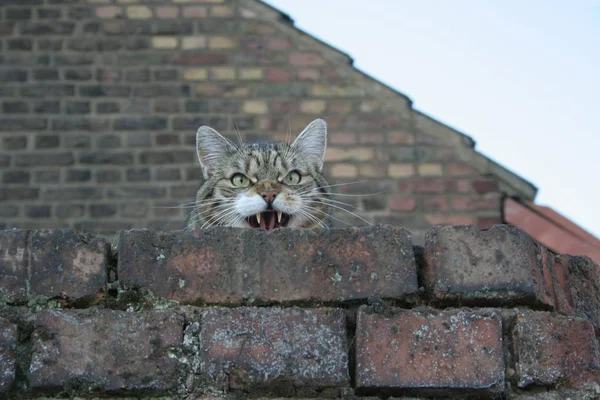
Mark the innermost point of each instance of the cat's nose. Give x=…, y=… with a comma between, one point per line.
x=269, y=196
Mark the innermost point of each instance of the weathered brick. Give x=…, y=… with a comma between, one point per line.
x=47, y=141
x=15, y=107
x=401, y=170
x=48, y=28
x=8, y=353
x=343, y=170
x=336, y=265
x=80, y=124
x=116, y=192
x=44, y=159
x=139, y=12
x=106, y=157
x=71, y=193
x=47, y=176
x=15, y=176
x=136, y=123
x=14, y=142
x=78, y=175
x=43, y=211
x=452, y=351
x=22, y=124
x=502, y=265
x=20, y=44
x=272, y=337
x=109, y=350
x=555, y=350
x=49, y=13
x=13, y=267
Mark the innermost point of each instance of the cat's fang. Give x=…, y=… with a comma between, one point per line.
x=279, y=213
x=258, y=218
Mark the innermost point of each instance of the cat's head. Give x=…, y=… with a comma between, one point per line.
x=262, y=185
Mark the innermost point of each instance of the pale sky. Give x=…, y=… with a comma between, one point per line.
x=520, y=77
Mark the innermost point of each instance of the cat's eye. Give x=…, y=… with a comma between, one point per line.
x=293, y=178
x=240, y=180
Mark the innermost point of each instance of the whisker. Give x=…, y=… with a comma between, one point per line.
x=350, y=212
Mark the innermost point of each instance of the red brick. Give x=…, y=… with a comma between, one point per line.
x=278, y=44
x=109, y=350
x=308, y=74
x=476, y=203
x=247, y=347
x=502, y=265
x=488, y=222
x=8, y=352
x=67, y=264
x=450, y=351
x=278, y=75
x=306, y=59
x=483, y=186
x=437, y=203
x=343, y=138
x=434, y=186
x=400, y=203
x=555, y=350
x=233, y=266
x=51, y=263
x=459, y=169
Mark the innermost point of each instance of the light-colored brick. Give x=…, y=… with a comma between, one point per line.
x=400, y=137
x=344, y=171
x=251, y=74
x=430, y=169
x=198, y=1
x=195, y=12
x=128, y=1
x=351, y=154
x=373, y=171
x=255, y=107
x=167, y=12
x=223, y=73
x=221, y=12
x=164, y=42
x=108, y=12
x=221, y=42
x=139, y=12
x=195, y=74
x=193, y=42
x=312, y=106
x=98, y=1
x=401, y=170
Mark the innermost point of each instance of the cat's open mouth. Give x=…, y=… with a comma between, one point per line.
x=268, y=220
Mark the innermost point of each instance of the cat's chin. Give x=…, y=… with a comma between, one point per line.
x=268, y=220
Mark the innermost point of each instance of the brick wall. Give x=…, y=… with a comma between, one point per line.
x=101, y=99
x=348, y=313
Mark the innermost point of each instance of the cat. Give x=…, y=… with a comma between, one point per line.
x=266, y=185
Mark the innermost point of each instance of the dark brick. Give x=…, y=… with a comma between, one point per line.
x=77, y=141
x=68, y=194
x=4, y=160
x=108, y=142
x=47, y=89
x=78, y=175
x=80, y=345
x=26, y=59
x=167, y=157
x=165, y=75
x=9, y=211
x=94, y=44
x=260, y=356
x=158, y=90
x=20, y=44
x=38, y=211
x=46, y=74
x=22, y=124
x=8, y=354
x=102, y=226
x=502, y=265
x=15, y=107
x=102, y=157
x=70, y=210
x=47, y=176
x=108, y=107
x=78, y=74
x=137, y=123
x=13, y=266
x=196, y=106
x=15, y=176
x=138, y=174
x=117, y=192
x=167, y=106
x=102, y=210
x=579, y=289
x=336, y=265
x=74, y=59
x=14, y=143
x=80, y=12
x=167, y=174
x=17, y=13
x=50, y=44
x=47, y=107
x=138, y=75
x=167, y=139
x=13, y=75
x=47, y=141
x=77, y=107
x=48, y=28
x=136, y=43
x=457, y=352
x=133, y=209
x=49, y=13
x=553, y=350
x=80, y=124
x=6, y=28
x=108, y=175
x=104, y=90
x=44, y=159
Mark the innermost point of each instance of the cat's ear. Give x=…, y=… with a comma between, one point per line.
x=211, y=146
x=312, y=141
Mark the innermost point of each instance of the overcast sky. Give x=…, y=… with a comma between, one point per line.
x=521, y=77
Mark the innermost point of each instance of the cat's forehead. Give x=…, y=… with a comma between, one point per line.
x=262, y=159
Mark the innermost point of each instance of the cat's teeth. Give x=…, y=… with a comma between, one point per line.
x=258, y=218
x=279, y=216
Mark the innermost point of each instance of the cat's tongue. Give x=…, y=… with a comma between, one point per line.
x=263, y=221
x=272, y=220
